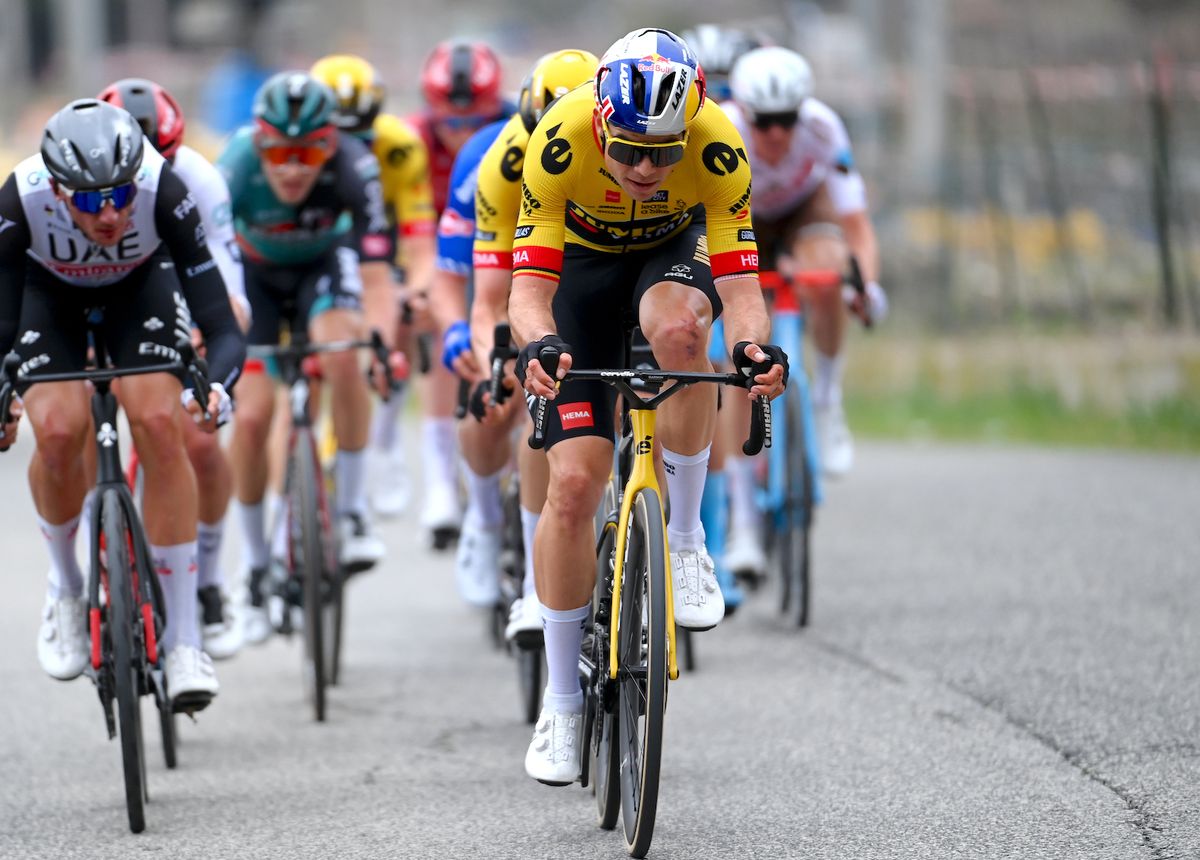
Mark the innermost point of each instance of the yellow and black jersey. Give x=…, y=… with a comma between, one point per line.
x=498, y=196
x=567, y=195
x=404, y=173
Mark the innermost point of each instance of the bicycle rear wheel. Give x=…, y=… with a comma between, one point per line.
x=797, y=516
x=642, y=672
x=310, y=531
x=126, y=655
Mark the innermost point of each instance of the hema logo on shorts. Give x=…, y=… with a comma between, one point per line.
x=576, y=415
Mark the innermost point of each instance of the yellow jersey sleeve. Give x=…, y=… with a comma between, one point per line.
x=568, y=195
x=498, y=196
x=404, y=172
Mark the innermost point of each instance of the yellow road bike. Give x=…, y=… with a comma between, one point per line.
x=629, y=647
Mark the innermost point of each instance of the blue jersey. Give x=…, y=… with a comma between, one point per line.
x=456, y=227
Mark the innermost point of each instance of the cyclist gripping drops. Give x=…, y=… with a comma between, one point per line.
x=636, y=196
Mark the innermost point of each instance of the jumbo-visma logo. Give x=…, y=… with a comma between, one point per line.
x=575, y=415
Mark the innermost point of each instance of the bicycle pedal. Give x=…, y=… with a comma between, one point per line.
x=191, y=703
x=444, y=537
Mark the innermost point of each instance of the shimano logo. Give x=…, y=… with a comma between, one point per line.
x=30, y=336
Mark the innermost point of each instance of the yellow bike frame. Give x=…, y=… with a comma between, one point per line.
x=642, y=477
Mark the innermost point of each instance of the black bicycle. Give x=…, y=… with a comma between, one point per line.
x=315, y=576
x=126, y=610
x=629, y=648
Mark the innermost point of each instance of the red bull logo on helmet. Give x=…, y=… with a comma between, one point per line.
x=654, y=63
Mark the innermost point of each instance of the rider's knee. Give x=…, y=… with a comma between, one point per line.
x=340, y=368
x=575, y=490
x=60, y=437
x=679, y=338
x=204, y=450
x=820, y=246
x=156, y=428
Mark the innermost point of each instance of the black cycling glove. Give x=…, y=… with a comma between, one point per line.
x=751, y=369
x=534, y=349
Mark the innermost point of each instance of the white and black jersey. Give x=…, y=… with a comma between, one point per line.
x=216, y=214
x=42, y=248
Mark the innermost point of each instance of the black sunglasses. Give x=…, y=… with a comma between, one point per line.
x=785, y=120
x=631, y=154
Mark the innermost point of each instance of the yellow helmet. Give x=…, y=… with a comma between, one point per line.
x=360, y=92
x=553, y=75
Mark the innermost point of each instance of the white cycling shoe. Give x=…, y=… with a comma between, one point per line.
x=360, y=549
x=555, y=755
x=442, y=513
x=392, y=491
x=477, y=565
x=63, y=648
x=525, y=622
x=221, y=633
x=744, y=556
x=699, y=604
x=834, y=441
x=191, y=679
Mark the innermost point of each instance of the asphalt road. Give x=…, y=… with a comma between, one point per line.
x=1004, y=662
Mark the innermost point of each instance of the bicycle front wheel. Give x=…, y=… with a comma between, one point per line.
x=794, y=556
x=311, y=535
x=125, y=655
x=642, y=670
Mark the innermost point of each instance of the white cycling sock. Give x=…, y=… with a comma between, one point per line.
x=385, y=426
x=279, y=529
x=827, y=382
x=564, y=636
x=85, y=517
x=743, y=507
x=208, y=553
x=66, y=578
x=485, y=508
x=441, y=453
x=350, y=471
x=685, y=484
x=254, y=534
x=529, y=521
x=176, y=568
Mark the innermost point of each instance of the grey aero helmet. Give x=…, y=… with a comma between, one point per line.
x=91, y=144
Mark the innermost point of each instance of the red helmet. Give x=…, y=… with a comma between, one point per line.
x=462, y=76
x=154, y=109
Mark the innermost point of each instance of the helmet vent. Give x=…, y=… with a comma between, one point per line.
x=664, y=93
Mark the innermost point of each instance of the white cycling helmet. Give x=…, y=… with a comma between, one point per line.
x=771, y=80
x=717, y=47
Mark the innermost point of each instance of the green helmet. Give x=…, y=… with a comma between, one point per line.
x=295, y=104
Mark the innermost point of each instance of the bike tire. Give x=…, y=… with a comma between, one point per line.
x=794, y=556
x=335, y=610
x=642, y=672
x=305, y=531
x=604, y=764
x=531, y=674
x=125, y=657
x=152, y=591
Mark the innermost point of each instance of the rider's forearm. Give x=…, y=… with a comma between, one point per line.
x=745, y=312
x=419, y=253
x=860, y=237
x=489, y=307
x=529, y=308
x=447, y=298
x=379, y=299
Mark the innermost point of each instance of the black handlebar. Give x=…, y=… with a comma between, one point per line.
x=548, y=358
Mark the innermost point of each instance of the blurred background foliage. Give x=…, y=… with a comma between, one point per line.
x=1032, y=168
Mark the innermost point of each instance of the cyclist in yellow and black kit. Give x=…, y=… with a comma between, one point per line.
x=408, y=199
x=636, y=196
